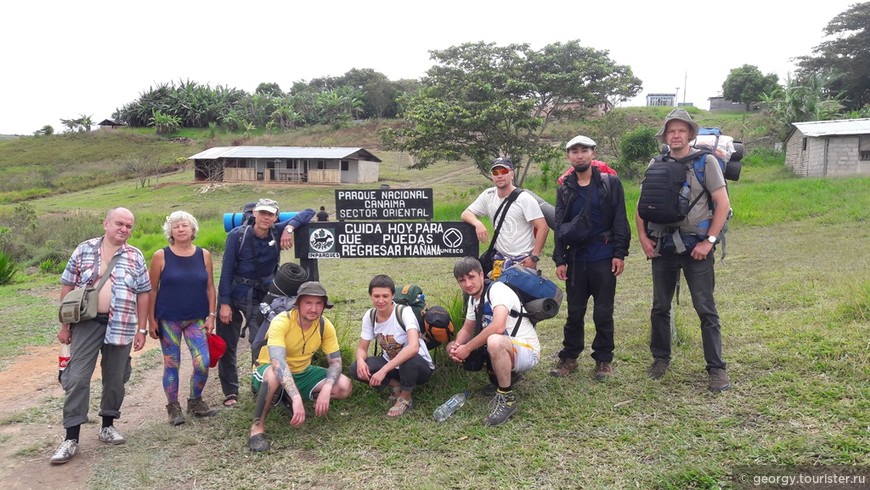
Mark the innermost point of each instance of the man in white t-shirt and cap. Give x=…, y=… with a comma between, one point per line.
x=524, y=232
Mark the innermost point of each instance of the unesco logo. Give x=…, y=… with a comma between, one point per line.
x=322, y=240
x=452, y=238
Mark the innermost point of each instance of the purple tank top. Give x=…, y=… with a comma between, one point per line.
x=183, y=287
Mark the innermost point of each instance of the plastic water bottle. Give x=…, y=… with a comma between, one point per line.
x=62, y=360
x=449, y=407
x=684, y=199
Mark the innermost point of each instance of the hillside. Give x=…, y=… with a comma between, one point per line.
x=50, y=165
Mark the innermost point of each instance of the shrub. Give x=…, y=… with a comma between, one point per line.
x=8, y=268
x=637, y=146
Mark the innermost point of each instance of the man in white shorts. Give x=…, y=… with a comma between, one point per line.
x=492, y=335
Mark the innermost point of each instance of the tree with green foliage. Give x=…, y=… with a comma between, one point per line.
x=481, y=101
x=46, y=130
x=800, y=100
x=747, y=85
x=165, y=123
x=844, y=59
x=272, y=89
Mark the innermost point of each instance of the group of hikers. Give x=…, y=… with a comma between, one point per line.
x=175, y=298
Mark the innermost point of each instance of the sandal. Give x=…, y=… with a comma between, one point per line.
x=402, y=405
x=231, y=400
x=394, y=396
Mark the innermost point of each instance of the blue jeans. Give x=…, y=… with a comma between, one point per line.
x=587, y=279
x=701, y=280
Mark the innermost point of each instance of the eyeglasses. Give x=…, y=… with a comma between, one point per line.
x=499, y=171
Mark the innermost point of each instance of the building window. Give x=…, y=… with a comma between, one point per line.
x=864, y=148
x=291, y=164
x=320, y=165
x=345, y=166
x=804, y=145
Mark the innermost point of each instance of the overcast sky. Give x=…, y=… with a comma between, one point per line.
x=65, y=59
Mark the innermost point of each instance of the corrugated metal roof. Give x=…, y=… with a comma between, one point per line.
x=284, y=152
x=834, y=128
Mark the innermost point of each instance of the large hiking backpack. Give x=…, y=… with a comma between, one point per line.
x=437, y=325
x=412, y=295
x=541, y=297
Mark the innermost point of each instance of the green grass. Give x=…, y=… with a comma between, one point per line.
x=793, y=297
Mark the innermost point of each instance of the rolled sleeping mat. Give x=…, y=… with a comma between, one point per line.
x=234, y=220
x=288, y=279
x=542, y=309
x=548, y=209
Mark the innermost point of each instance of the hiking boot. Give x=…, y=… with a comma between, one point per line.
x=503, y=406
x=603, y=370
x=199, y=408
x=258, y=443
x=490, y=388
x=658, y=368
x=719, y=380
x=65, y=452
x=110, y=435
x=176, y=417
x=565, y=367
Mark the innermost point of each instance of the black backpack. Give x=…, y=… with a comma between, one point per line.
x=664, y=193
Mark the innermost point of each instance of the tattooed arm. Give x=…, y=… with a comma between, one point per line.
x=277, y=355
x=333, y=372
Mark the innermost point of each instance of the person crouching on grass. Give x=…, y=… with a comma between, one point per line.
x=405, y=362
x=284, y=370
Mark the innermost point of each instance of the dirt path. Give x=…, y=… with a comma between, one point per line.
x=30, y=391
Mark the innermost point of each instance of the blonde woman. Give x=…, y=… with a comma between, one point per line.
x=183, y=305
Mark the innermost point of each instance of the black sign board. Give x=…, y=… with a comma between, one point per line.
x=333, y=240
x=381, y=204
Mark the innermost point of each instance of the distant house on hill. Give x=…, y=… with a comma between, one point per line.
x=661, y=100
x=315, y=165
x=829, y=148
x=109, y=124
x=720, y=104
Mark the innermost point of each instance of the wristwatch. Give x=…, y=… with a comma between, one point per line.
x=143, y=331
x=534, y=258
x=712, y=239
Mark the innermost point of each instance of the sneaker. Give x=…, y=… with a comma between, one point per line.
x=658, y=368
x=565, y=367
x=503, y=406
x=490, y=388
x=199, y=408
x=65, y=452
x=110, y=435
x=176, y=417
x=719, y=380
x=258, y=443
x=603, y=370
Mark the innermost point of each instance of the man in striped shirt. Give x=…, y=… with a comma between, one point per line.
x=122, y=310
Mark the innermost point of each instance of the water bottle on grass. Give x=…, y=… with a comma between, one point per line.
x=449, y=407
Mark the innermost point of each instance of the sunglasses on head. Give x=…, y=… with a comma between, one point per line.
x=499, y=171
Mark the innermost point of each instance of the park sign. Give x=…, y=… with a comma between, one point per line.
x=378, y=239
x=383, y=204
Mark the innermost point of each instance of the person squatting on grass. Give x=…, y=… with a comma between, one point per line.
x=405, y=362
x=122, y=311
x=524, y=233
x=283, y=371
x=183, y=305
x=591, y=242
x=696, y=261
x=491, y=336
x=249, y=264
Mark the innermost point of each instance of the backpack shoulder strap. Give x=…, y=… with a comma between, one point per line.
x=243, y=234
x=399, y=310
